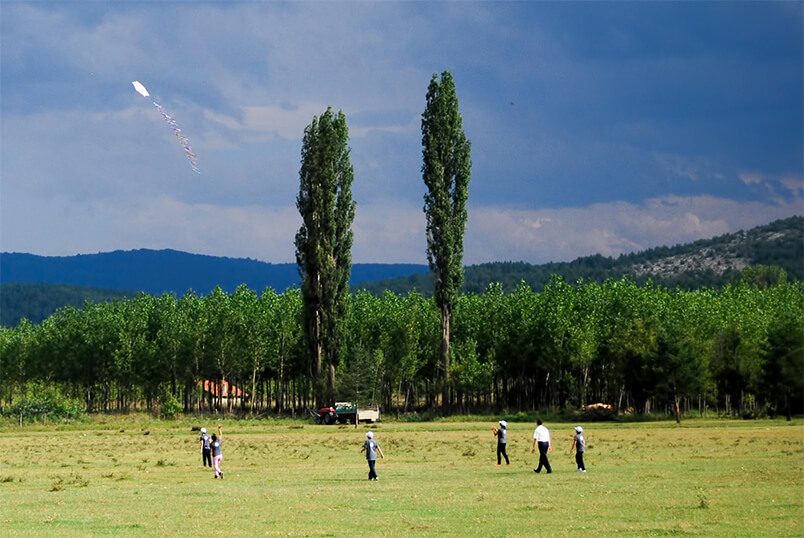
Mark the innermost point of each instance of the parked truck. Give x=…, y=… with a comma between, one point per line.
x=348, y=413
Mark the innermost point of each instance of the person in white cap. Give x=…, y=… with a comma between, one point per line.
x=372, y=448
x=206, y=455
x=500, y=434
x=579, y=445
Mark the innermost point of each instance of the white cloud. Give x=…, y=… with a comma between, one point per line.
x=243, y=231
x=389, y=231
x=751, y=178
x=287, y=122
x=681, y=166
x=777, y=184
x=793, y=183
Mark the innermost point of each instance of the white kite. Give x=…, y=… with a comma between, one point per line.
x=176, y=130
x=140, y=88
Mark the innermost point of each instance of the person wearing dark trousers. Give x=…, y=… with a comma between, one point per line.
x=206, y=454
x=372, y=448
x=542, y=437
x=500, y=434
x=579, y=444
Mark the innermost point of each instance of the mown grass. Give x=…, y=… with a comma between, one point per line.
x=284, y=478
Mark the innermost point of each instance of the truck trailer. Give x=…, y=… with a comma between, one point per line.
x=348, y=413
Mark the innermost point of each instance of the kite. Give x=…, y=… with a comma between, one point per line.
x=176, y=129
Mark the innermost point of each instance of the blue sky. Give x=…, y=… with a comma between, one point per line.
x=596, y=127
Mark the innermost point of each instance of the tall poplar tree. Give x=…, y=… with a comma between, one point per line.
x=446, y=172
x=324, y=244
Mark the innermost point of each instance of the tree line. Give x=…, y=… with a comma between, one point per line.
x=734, y=351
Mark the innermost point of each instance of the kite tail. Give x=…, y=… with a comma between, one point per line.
x=185, y=143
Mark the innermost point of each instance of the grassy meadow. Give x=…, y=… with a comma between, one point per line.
x=129, y=476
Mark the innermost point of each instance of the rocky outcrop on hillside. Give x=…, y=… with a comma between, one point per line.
x=705, y=260
x=731, y=252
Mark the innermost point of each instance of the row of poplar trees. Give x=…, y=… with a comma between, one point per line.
x=324, y=241
x=738, y=350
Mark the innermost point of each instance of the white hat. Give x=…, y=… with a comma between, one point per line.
x=203, y=430
x=370, y=435
x=504, y=424
x=578, y=429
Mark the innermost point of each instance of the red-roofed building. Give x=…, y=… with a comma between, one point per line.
x=224, y=390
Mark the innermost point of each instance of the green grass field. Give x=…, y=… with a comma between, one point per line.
x=134, y=477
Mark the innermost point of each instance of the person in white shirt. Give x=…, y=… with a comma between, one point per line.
x=542, y=437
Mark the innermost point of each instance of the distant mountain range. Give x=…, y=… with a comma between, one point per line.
x=35, y=286
x=159, y=271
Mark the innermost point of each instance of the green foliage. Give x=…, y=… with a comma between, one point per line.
x=324, y=243
x=641, y=348
x=446, y=171
x=762, y=276
x=358, y=376
x=44, y=403
x=36, y=301
x=469, y=374
x=170, y=406
x=783, y=362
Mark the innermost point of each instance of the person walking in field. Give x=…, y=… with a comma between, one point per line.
x=217, y=451
x=542, y=437
x=579, y=444
x=500, y=434
x=372, y=448
x=206, y=456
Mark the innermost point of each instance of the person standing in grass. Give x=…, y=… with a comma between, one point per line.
x=500, y=434
x=217, y=451
x=542, y=437
x=372, y=448
x=205, y=451
x=579, y=444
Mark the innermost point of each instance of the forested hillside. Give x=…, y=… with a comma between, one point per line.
x=33, y=287
x=705, y=263
x=35, y=302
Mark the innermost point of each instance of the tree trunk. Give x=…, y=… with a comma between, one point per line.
x=317, y=349
x=446, y=319
x=331, y=383
x=585, y=384
x=253, y=389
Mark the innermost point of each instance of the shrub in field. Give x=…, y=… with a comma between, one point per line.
x=171, y=406
x=46, y=405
